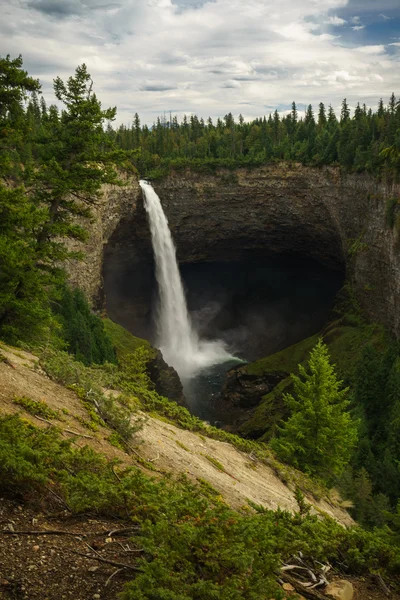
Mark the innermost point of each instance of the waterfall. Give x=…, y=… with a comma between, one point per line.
x=179, y=342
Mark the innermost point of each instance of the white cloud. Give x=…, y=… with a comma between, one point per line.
x=208, y=57
x=385, y=17
x=231, y=83
x=358, y=27
x=378, y=49
x=336, y=21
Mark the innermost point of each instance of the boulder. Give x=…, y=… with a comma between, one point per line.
x=340, y=590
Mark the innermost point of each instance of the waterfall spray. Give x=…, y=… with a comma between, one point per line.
x=177, y=339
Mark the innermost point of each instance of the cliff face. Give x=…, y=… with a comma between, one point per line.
x=340, y=221
x=107, y=215
x=276, y=209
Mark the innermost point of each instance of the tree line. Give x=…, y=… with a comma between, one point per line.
x=366, y=141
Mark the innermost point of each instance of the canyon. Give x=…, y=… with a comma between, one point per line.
x=318, y=225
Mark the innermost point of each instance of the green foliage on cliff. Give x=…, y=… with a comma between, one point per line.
x=123, y=341
x=319, y=435
x=367, y=141
x=83, y=332
x=53, y=165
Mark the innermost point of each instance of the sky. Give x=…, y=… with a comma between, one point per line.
x=211, y=57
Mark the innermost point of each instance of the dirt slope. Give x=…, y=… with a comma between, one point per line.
x=234, y=474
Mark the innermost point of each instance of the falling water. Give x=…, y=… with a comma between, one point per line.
x=177, y=339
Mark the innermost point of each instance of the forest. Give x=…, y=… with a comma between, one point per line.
x=368, y=140
x=54, y=161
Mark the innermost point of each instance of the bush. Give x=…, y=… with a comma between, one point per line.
x=83, y=331
x=35, y=407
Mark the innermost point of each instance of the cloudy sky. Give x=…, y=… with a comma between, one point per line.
x=210, y=57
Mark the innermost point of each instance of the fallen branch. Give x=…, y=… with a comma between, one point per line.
x=154, y=459
x=383, y=585
x=48, y=532
x=300, y=589
x=122, y=531
x=89, y=437
x=112, y=575
x=44, y=420
x=133, y=450
x=105, y=560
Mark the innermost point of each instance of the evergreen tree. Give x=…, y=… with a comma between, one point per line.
x=320, y=434
x=345, y=112
x=322, y=116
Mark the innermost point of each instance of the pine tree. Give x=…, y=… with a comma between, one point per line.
x=345, y=112
x=322, y=116
x=320, y=434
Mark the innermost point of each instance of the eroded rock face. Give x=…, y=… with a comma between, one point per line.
x=275, y=209
x=166, y=380
x=116, y=204
x=244, y=390
x=339, y=221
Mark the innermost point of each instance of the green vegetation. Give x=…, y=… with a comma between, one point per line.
x=131, y=380
x=319, y=435
x=52, y=168
x=124, y=342
x=367, y=360
x=53, y=165
x=215, y=463
x=182, y=446
x=367, y=141
x=83, y=332
x=36, y=407
x=195, y=545
x=89, y=383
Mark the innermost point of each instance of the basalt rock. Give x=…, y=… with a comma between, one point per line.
x=244, y=390
x=166, y=379
x=336, y=219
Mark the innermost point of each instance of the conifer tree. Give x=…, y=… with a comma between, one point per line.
x=320, y=434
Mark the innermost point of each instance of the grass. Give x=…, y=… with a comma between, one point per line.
x=285, y=361
x=123, y=341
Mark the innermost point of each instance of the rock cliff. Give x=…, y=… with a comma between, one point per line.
x=276, y=209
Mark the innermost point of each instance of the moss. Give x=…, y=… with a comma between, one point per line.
x=285, y=361
x=267, y=414
x=90, y=425
x=207, y=489
x=124, y=342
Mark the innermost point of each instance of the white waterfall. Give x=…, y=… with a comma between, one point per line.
x=180, y=344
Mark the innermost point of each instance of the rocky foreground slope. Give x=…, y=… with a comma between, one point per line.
x=238, y=477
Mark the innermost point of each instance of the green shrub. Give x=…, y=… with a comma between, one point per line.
x=89, y=383
x=82, y=330
x=36, y=407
